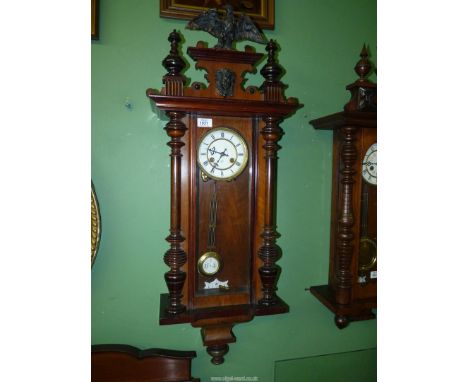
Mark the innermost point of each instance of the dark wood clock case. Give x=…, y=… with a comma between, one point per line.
x=246, y=214
x=354, y=131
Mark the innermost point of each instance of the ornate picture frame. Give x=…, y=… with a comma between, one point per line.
x=94, y=19
x=95, y=225
x=262, y=12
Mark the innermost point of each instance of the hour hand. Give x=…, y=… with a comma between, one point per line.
x=223, y=154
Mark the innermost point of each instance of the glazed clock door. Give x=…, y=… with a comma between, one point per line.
x=225, y=202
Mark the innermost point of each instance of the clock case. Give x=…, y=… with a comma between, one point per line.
x=354, y=131
x=246, y=232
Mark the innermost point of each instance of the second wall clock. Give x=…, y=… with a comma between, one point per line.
x=351, y=292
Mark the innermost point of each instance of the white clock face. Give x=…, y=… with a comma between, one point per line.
x=369, y=165
x=222, y=153
x=209, y=264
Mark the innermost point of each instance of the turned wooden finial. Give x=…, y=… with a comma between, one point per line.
x=271, y=71
x=363, y=66
x=363, y=91
x=173, y=62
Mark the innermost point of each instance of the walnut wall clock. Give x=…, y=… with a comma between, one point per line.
x=351, y=292
x=224, y=142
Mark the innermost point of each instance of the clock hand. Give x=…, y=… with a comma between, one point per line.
x=213, y=151
x=221, y=155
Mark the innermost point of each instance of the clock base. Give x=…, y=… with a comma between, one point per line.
x=194, y=315
x=217, y=323
x=344, y=314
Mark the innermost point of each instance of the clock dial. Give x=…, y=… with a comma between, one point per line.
x=222, y=154
x=209, y=264
x=369, y=165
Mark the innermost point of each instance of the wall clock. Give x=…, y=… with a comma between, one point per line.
x=224, y=142
x=351, y=292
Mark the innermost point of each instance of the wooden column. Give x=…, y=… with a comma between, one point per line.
x=270, y=252
x=344, y=246
x=175, y=257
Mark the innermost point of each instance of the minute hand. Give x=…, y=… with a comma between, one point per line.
x=223, y=154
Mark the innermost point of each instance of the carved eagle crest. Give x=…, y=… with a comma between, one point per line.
x=228, y=29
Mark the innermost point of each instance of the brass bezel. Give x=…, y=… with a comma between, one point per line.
x=204, y=257
x=244, y=144
x=367, y=267
x=364, y=168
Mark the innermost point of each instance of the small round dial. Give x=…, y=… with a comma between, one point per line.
x=369, y=165
x=209, y=264
x=222, y=153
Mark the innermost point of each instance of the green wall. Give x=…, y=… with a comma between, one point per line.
x=360, y=365
x=320, y=44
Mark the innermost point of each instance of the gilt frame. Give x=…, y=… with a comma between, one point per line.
x=262, y=12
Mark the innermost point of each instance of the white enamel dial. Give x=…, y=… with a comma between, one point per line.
x=210, y=266
x=222, y=153
x=369, y=165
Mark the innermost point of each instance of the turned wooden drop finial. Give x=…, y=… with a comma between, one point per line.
x=363, y=66
x=173, y=62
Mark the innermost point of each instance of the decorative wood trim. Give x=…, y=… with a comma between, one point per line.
x=338, y=120
x=122, y=363
x=201, y=53
x=222, y=106
x=142, y=353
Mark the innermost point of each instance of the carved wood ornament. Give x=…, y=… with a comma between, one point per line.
x=238, y=219
x=351, y=292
